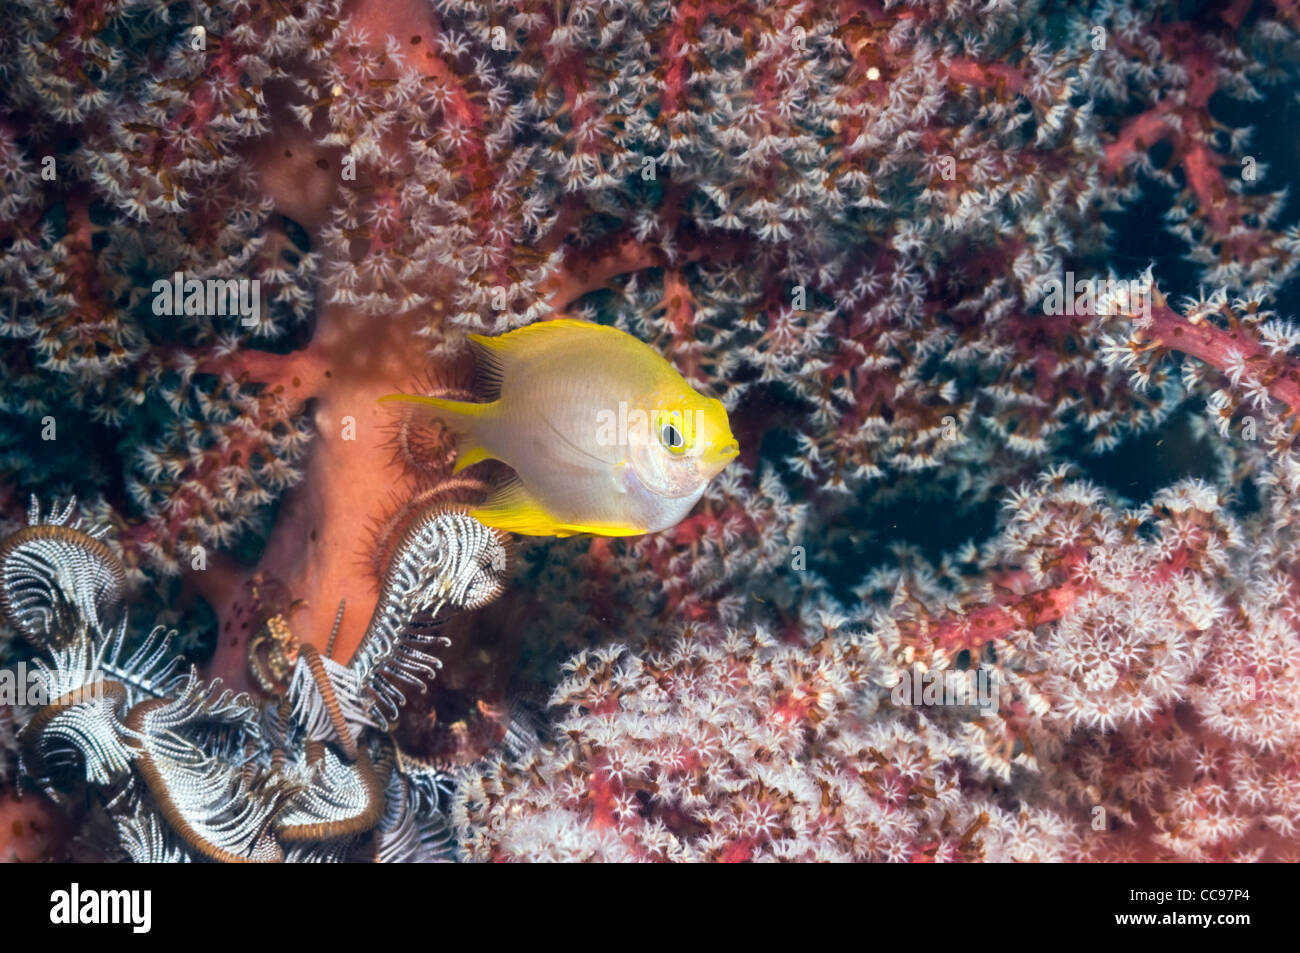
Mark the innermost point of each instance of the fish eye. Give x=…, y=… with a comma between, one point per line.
x=672, y=438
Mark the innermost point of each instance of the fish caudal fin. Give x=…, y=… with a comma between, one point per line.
x=514, y=510
x=464, y=418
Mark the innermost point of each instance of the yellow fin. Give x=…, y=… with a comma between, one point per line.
x=514, y=510
x=448, y=410
x=493, y=356
x=468, y=454
x=519, y=336
x=460, y=416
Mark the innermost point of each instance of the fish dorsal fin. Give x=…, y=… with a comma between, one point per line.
x=514, y=509
x=489, y=368
x=494, y=355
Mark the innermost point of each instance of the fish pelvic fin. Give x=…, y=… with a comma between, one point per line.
x=513, y=509
x=464, y=418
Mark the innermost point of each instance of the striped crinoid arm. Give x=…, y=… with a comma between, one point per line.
x=147, y=839
x=88, y=688
x=325, y=700
x=414, y=829
x=216, y=721
x=445, y=558
x=450, y=492
x=151, y=670
x=337, y=800
x=209, y=803
x=58, y=578
x=390, y=812
x=79, y=732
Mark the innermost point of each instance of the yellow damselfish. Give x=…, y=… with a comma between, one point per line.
x=604, y=436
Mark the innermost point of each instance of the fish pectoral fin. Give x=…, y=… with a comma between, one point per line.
x=513, y=509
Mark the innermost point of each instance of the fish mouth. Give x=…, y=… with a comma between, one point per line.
x=719, y=457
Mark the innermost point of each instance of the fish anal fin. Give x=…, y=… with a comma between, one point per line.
x=514, y=510
x=468, y=454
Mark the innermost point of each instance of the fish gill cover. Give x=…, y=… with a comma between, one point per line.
x=998, y=297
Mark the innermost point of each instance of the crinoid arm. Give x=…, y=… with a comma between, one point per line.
x=185, y=769
x=445, y=560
